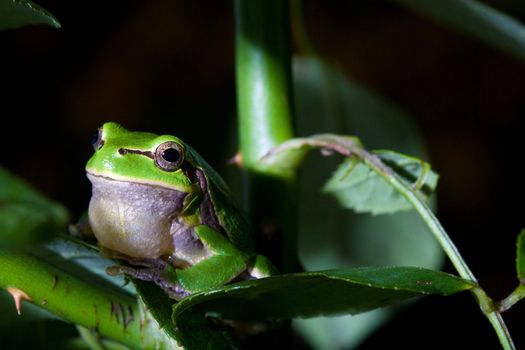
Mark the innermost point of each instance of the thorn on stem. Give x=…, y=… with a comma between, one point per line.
x=236, y=160
x=19, y=296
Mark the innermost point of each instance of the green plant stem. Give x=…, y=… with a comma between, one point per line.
x=486, y=304
x=517, y=295
x=264, y=94
x=110, y=313
x=263, y=76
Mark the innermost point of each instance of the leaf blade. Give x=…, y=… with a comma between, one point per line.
x=19, y=13
x=356, y=186
x=311, y=294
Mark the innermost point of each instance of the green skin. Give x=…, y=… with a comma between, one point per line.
x=158, y=205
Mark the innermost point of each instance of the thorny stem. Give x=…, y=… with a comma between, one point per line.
x=107, y=311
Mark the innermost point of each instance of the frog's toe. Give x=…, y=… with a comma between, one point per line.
x=144, y=274
x=156, y=264
x=156, y=274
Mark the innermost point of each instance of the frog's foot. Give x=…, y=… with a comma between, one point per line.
x=152, y=270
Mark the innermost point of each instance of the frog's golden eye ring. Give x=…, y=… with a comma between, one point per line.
x=96, y=140
x=169, y=156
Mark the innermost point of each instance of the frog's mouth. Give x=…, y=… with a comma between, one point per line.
x=92, y=175
x=133, y=218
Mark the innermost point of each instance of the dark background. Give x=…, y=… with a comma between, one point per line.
x=148, y=64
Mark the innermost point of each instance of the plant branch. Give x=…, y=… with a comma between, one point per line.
x=110, y=313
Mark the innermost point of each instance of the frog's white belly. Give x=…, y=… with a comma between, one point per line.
x=134, y=219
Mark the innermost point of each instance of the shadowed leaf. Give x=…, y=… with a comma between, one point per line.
x=19, y=13
x=25, y=214
x=309, y=294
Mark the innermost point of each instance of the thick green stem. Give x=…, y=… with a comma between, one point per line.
x=486, y=304
x=264, y=93
x=263, y=76
x=111, y=313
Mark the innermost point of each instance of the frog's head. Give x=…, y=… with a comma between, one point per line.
x=139, y=157
x=139, y=185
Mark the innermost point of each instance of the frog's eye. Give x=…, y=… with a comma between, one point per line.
x=96, y=140
x=169, y=156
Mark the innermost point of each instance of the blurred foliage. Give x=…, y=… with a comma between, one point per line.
x=26, y=215
x=19, y=13
x=476, y=19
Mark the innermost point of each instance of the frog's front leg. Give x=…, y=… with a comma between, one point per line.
x=223, y=264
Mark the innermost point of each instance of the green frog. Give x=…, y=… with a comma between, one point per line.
x=158, y=205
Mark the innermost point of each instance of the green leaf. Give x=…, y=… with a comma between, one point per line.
x=476, y=20
x=309, y=294
x=19, y=13
x=359, y=182
x=358, y=187
x=520, y=257
x=25, y=214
